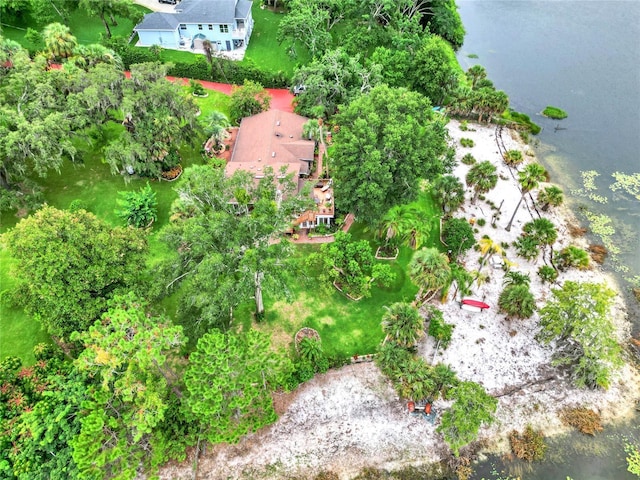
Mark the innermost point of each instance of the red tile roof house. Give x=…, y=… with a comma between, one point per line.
x=274, y=139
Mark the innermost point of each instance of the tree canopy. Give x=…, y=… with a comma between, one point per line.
x=157, y=120
x=70, y=264
x=577, y=319
x=389, y=139
x=229, y=383
x=222, y=238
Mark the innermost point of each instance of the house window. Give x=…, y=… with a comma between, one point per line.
x=210, y=27
x=224, y=28
x=183, y=26
x=199, y=26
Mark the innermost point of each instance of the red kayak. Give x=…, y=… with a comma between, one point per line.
x=474, y=303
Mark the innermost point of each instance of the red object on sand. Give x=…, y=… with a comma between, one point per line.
x=412, y=406
x=427, y=409
x=474, y=303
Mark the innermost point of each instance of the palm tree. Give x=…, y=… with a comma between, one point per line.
x=517, y=301
x=482, y=177
x=58, y=41
x=216, y=127
x=430, y=270
x=513, y=158
x=86, y=56
x=488, y=248
x=402, y=324
x=475, y=73
x=529, y=179
x=551, y=196
x=513, y=278
x=542, y=230
x=404, y=224
x=391, y=226
x=463, y=280
x=527, y=247
x=444, y=377
x=449, y=192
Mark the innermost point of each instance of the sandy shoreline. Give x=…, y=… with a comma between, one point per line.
x=351, y=418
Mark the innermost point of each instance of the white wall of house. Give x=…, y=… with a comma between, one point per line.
x=164, y=38
x=223, y=36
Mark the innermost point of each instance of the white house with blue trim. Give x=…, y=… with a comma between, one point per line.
x=227, y=24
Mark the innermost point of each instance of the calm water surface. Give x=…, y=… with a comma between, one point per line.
x=584, y=57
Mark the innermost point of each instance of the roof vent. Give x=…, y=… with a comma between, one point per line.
x=278, y=134
x=278, y=123
x=290, y=136
x=273, y=154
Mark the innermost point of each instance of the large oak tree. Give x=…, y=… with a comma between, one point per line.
x=68, y=265
x=388, y=140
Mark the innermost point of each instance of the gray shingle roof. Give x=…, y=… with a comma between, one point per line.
x=158, y=21
x=197, y=11
x=243, y=7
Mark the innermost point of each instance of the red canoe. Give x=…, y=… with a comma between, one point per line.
x=474, y=303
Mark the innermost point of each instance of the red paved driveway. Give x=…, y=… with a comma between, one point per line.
x=280, y=98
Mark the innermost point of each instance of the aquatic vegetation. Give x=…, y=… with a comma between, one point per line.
x=633, y=458
x=528, y=445
x=589, y=187
x=585, y=420
x=600, y=223
x=554, y=112
x=628, y=183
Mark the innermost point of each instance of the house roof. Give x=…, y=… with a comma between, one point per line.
x=158, y=21
x=213, y=11
x=272, y=138
x=197, y=11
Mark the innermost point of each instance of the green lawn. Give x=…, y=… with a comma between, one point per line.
x=18, y=332
x=87, y=29
x=346, y=327
x=264, y=49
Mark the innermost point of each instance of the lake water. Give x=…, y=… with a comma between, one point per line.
x=584, y=57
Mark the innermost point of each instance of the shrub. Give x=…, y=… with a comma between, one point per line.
x=464, y=125
x=513, y=157
x=523, y=120
x=481, y=222
x=138, y=208
x=439, y=329
x=528, y=445
x=585, y=420
x=547, y=274
x=467, y=142
x=77, y=204
x=311, y=351
x=554, y=112
x=575, y=257
x=468, y=159
x=196, y=87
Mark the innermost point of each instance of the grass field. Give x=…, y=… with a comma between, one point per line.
x=345, y=327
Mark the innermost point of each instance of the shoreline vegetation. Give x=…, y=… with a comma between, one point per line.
x=350, y=419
